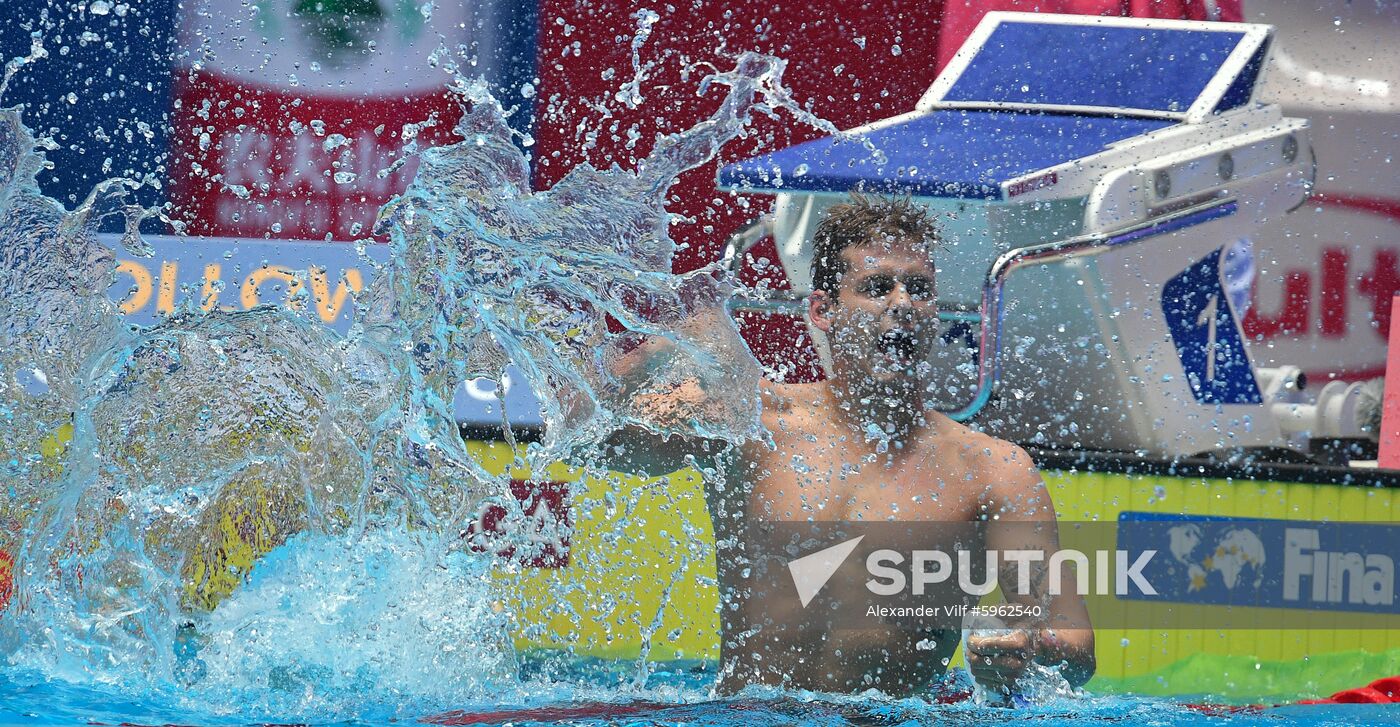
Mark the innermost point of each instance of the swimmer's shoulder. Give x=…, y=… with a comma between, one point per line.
x=792, y=405
x=1010, y=481
x=1005, y=469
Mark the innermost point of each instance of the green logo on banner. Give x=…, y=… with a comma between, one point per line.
x=340, y=31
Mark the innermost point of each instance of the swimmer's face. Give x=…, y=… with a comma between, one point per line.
x=884, y=318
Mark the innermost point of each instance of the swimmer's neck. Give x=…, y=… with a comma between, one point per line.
x=895, y=410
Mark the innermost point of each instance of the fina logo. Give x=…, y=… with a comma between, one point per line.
x=1334, y=577
x=1238, y=552
x=1323, y=566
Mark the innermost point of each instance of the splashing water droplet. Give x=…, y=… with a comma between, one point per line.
x=350, y=440
x=333, y=142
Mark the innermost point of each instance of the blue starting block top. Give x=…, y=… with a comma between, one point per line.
x=1110, y=68
x=1027, y=92
x=947, y=153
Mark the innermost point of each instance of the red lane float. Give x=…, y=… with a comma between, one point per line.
x=1380, y=691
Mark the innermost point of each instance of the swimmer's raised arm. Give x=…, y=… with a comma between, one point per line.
x=1024, y=518
x=663, y=441
x=637, y=449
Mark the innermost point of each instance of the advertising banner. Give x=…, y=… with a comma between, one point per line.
x=239, y=273
x=291, y=116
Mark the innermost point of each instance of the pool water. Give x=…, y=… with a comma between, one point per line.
x=673, y=698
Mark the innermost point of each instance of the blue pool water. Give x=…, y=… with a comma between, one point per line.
x=671, y=698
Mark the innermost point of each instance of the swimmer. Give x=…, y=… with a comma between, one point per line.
x=863, y=446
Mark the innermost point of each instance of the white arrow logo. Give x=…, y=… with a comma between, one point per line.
x=811, y=572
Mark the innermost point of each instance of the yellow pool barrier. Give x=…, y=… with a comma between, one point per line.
x=640, y=578
x=647, y=584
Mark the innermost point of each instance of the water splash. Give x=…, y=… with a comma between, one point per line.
x=218, y=431
x=547, y=270
x=54, y=321
x=37, y=52
x=381, y=601
x=631, y=92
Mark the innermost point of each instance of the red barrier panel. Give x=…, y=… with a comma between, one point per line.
x=1390, y=410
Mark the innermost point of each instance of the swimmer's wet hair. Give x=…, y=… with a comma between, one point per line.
x=864, y=220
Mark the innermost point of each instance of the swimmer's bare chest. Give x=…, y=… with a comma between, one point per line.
x=817, y=470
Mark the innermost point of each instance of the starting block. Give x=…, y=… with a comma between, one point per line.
x=1097, y=180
